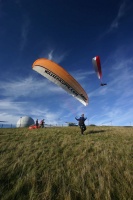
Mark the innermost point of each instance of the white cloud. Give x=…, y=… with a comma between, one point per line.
x=37, y=97
x=31, y=88
x=121, y=12
x=50, y=55
x=10, y=111
x=55, y=55
x=25, y=25
x=81, y=75
x=28, y=86
x=9, y=118
x=113, y=103
x=24, y=32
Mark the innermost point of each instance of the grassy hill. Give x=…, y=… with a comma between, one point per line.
x=60, y=163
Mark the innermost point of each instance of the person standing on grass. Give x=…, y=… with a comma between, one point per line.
x=42, y=123
x=37, y=123
x=81, y=121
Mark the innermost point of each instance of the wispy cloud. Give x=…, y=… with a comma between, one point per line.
x=116, y=99
x=121, y=12
x=80, y=75
x=50, y=55
x=25, y=25
x=24, y=32
x=11, y=111
x=28, y=86
x=18, y=98
x=54, y=54
x=37, y=97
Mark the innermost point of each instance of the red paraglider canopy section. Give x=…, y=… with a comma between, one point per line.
x=97, y=66
x=33, y=127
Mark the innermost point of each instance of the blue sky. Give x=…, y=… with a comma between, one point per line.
x=70, y=33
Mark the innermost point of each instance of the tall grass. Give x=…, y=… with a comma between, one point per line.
x=60, y=163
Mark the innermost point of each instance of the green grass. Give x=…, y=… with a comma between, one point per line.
x=60, y=163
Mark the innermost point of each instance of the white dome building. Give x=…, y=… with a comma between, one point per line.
x=25, y=122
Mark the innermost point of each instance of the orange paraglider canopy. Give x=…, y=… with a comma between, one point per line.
x=61, y=77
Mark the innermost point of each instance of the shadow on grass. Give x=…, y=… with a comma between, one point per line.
x=93, y=132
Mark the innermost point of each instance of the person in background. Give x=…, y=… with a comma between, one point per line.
x=37, y=123
x=42, y=123
x=81, y=121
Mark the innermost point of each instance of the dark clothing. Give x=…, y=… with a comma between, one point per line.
x=102, y=84
x=42, y=123
x=81, y=121
x=37, y=123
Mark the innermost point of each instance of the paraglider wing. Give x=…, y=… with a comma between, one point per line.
x=61, y=77
x=97, y=66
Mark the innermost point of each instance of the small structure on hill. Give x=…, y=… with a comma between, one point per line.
x=25, y=122
x=71, y=124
